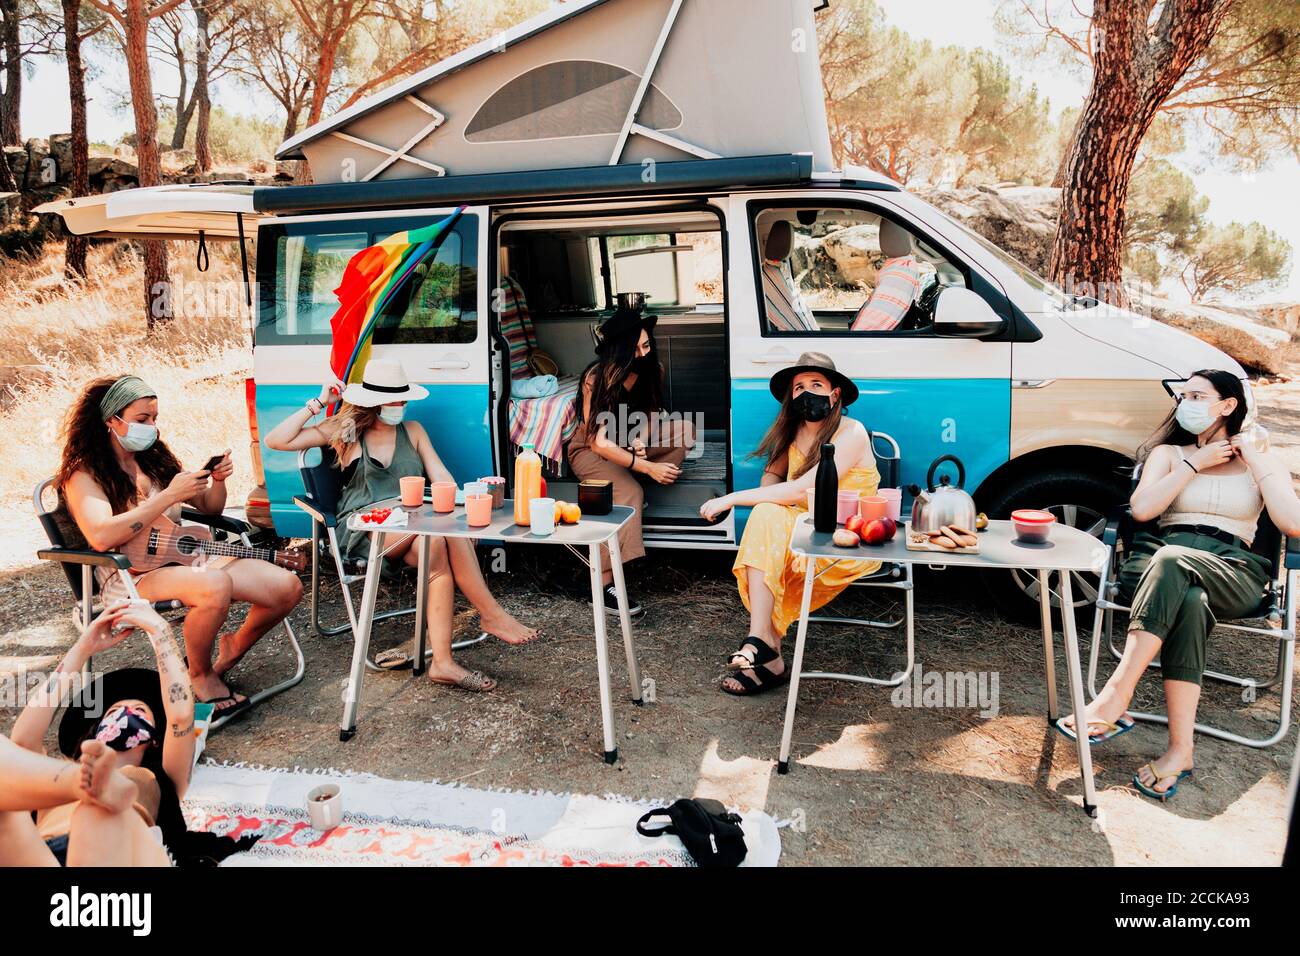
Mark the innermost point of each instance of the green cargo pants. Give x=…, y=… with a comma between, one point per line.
x=1178, y=582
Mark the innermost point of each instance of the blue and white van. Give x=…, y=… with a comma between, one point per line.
x=1044, y=398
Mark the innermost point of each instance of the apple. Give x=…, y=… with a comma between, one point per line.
x=878, y=530
x=855, y=524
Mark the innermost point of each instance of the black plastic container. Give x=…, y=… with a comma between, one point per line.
x=826, y=492
x=596, y=496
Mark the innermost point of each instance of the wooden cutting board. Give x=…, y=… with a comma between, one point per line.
x=920, y=541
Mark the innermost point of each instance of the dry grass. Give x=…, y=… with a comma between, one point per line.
x=55, y=336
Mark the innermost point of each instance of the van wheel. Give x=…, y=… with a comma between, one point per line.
x=1077, y=498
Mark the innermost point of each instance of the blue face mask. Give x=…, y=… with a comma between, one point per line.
x=138, y=437
x=392, y=414
x=1194, y=416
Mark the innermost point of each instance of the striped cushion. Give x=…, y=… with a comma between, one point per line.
x=897, y=287
x=516, y=325
x=785, y=309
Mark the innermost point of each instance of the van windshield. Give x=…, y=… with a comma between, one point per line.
x=1057, y=296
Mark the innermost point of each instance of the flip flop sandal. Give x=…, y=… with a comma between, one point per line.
x=765, y=681
x=1153, y=793
x=219, y=713
x=763, y=654
x=393, y=659
x=1121, y=726
x=475, y=681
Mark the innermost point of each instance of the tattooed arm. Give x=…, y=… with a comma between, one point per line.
x=177, y=696
x=32, y=724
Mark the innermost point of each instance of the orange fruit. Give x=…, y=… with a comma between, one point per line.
x=559, y=512
x=571, y=513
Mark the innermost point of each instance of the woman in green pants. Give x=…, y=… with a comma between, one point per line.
x=1204, y=484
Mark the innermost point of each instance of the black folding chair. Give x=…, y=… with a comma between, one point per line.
x=1274, y=618
x=322, y=482
x=78, y=563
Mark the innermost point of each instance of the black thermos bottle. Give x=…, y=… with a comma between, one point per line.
x=826, y=492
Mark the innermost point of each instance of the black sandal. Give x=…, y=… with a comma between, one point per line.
x=763, y=654
x=766, y=680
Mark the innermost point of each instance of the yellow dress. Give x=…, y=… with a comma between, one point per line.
x=766, y=545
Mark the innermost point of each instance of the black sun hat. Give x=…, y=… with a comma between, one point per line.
x=88, y=706
x=623, y=322
x=814, y=362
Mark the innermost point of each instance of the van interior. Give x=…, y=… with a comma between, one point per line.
x=565, y=277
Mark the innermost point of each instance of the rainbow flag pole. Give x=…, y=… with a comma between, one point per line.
x=373, y=277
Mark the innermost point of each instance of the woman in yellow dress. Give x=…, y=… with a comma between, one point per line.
x=813, y=397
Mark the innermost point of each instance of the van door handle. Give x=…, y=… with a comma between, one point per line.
x=773, y=358
x=440, y=366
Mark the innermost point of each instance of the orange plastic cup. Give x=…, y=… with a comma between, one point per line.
x=412, y=491
x=444, y=496
x=478, y=510
x=874, y=506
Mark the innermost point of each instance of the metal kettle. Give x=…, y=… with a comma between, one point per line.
x=937, y=505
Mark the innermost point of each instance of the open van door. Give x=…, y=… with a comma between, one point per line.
x=212, y=210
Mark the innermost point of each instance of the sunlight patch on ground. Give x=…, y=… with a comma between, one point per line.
x=857, y=749
x=742, y=782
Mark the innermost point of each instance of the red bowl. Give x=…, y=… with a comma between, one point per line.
x=1033, y=525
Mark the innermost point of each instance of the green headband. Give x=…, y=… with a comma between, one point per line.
x=122, y=393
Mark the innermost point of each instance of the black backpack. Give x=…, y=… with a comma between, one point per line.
x=710, y=834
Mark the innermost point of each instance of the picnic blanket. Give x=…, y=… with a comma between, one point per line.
x=416, y=823
x=546, y=422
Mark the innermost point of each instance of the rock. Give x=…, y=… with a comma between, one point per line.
x=61, y=150
x=16, y=156
x=1019, y=219
x=41, y=170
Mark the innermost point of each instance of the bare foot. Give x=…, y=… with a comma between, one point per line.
x=99, y=780
x=229, y=655
x=1167, y=768
x=208, y=689
x=505, y=626
x=455, y=675
x=1107, y=709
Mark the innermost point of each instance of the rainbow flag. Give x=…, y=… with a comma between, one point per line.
x=372, y=278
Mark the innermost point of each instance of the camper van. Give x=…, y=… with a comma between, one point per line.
x=675, y=151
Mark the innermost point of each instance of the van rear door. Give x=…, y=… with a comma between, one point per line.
x=214, y=211
x=438, y=333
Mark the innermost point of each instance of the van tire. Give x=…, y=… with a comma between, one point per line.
x=1087, y=499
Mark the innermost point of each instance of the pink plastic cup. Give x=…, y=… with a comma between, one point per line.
x=894, y=499
x=478, y=510
x=412, y=491
x=874, y=506
x=444, y=496
x=846, y=506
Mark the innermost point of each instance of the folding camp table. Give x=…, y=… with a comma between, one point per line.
x=590, y=532
x=1069, y=551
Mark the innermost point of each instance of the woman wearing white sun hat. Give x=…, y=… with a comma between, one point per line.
x=376, y=448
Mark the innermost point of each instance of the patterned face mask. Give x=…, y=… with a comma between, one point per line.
x=126, y=727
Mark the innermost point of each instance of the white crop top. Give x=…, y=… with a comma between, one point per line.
x=1230, y=502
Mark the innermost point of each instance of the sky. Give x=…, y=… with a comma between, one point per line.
x=1269, y=197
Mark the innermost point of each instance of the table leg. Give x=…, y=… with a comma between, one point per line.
x=361, y=639
x=783, y=765
x=421, y=599
x=1077, y=698
x=1049, y=656
x=625, y=619
x=602, y=655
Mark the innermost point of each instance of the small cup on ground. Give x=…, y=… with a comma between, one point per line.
x=325, y=806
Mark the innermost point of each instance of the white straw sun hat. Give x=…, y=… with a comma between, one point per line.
x=381, y=383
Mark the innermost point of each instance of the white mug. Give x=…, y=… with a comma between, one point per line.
x=325, y=806
x=477, y=488
x=541, y=513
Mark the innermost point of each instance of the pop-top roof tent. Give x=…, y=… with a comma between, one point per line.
x=589, y=83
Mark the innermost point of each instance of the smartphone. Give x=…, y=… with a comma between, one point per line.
x=213, y=462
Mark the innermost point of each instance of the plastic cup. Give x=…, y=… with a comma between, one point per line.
x=444, y=496
x=477, y=488
x=874, y=506
x=894, y=499
x=325, y=806
x=412, y=491
x=541, y=513
x=478, y=510
x=846, y=506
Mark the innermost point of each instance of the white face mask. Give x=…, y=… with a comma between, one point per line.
x=392, y=414
x=138, y=437
x=1194, y=416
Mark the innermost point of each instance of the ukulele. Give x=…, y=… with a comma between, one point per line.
x=165, y=542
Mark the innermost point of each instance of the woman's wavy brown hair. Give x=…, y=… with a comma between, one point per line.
x=347, y=426
x=88, y=447
x=776, y=443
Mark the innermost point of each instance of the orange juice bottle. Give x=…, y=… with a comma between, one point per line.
x=528, y=483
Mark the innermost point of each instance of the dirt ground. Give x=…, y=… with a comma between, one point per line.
x=871, y=783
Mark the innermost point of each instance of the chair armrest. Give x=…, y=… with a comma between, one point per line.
x=308, y=506
x=222, y=522
x=1291, y=555
x=103, y=559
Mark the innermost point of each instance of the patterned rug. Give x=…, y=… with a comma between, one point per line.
x=413, y=823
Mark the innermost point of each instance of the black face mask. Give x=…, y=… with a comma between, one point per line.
x=811, y=407
x=644, y=364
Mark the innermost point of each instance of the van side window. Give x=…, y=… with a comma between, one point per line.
x=827, y=270
x=300, y=265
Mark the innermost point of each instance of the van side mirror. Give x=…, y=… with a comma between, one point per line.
x=961, y=313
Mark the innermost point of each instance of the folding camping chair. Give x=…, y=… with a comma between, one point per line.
x=891, y=576
x=323, y=486
x=1277, y=611
x=78, y=565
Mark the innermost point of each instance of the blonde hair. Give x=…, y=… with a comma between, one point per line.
x=347, y=426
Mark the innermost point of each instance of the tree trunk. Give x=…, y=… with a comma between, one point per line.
x=74, y=250
x=157, y=296
x=320, y=85
x=1136, y=68
x=11, y=102
x=184, y=104
x=202, y=149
